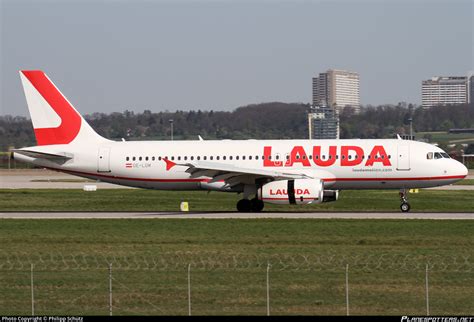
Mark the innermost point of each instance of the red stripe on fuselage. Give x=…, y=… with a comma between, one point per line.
x=395, y=179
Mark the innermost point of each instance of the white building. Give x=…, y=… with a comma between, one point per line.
x=444, y=90
x=337, y=89
x=470, y=89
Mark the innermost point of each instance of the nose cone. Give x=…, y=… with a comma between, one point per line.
x=461, y=169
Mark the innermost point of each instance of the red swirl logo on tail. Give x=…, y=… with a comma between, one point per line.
x=70, y=125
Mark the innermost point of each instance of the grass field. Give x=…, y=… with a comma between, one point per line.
x=229, y=259
x=465, y=182
x=149, y=200
x=448, y=137
x=387, y=258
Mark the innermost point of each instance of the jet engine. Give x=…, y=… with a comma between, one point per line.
x=330, y=195
x=298, y=191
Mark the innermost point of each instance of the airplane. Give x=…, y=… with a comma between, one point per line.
x=264, y=171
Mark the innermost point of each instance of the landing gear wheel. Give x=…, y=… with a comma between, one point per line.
x=257, y=205
x=405, y=207
x=244, y=205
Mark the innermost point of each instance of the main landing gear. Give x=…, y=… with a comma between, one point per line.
x=246, y=205
x=405, y=206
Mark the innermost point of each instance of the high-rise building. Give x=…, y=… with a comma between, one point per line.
x=337, y=89
x=444, y=90
x=323, y=123
x=470, y=98
x=320, y=90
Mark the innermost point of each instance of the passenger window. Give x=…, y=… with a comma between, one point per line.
x=230, y=158
x=204, y=157
x=198, y=158
x=185, y=158
x=133, y=158
x=140, y=158
x=172, y=158
x=224, y=157
x=243, y=157
x=159, y=158
x=127, y=158
x=250, y=157
x=217, y=157
x=146, y=158
x=152, y=158
x=179, y=158
x=236, y=157
x=211, y=158
x=192, y=158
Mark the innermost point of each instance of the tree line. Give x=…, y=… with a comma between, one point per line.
x=258, y=121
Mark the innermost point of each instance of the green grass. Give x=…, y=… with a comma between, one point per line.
x=448, y=137
x=150, y=200
x=229, y=259
x=465, y=182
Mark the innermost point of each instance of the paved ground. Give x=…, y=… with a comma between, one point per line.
x=41, y=179
x=46, y=179
x=228, y=215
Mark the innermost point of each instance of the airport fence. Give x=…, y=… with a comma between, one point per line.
x=186, y=283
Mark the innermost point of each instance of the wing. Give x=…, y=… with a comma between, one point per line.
x=233, y=175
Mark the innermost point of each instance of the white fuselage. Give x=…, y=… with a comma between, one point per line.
x=385, y=164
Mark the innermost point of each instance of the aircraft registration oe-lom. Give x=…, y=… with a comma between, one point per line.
x=272, y=171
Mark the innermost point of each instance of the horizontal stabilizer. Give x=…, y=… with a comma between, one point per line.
x=56, y=157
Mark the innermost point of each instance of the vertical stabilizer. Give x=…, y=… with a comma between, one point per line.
x=55, y=120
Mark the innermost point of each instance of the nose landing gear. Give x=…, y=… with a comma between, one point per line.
x=405, y=206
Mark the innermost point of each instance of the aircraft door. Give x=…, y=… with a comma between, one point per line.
x=103, y=160
x=403, y=157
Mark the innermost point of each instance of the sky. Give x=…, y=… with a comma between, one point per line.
x=112, y=56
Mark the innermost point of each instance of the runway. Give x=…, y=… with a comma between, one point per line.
x=47, y=179
x=234, y=215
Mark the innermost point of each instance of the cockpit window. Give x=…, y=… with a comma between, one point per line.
x=437, y=155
